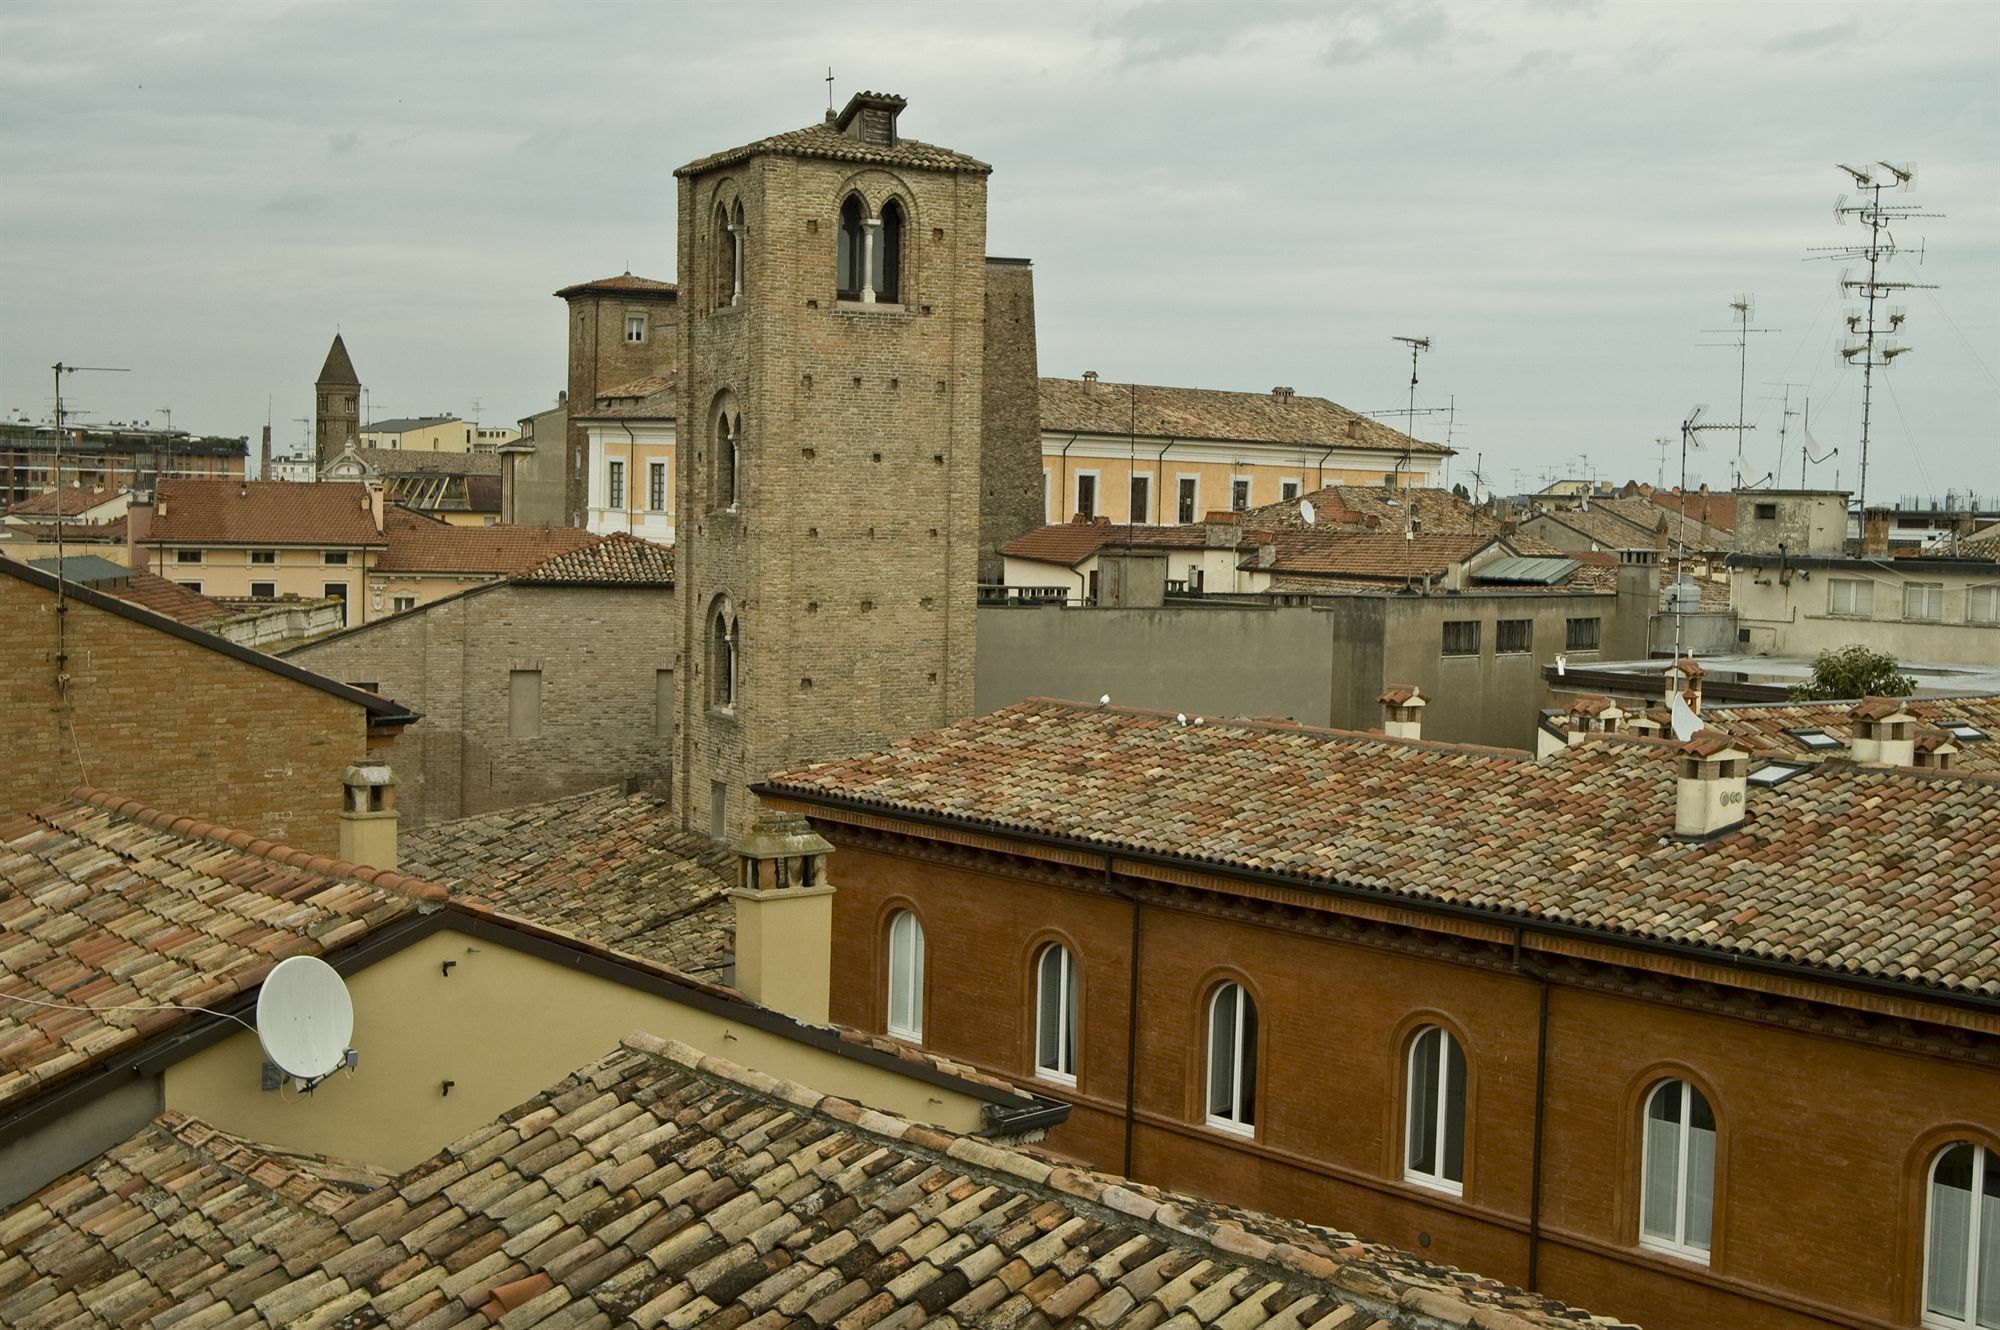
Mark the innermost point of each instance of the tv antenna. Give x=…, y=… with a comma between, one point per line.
x=1806, y=448
x=1869, y=345
x=1416, y=345
x=62, y=568
x=1742, y=306
x=1785, y=414
x=305, y=1019
x=1663, y=442
x=1691, y=429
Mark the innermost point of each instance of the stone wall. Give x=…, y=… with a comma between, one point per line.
x=599, y=651
x=601, y=358
x=1010, y=432
x=169, y=722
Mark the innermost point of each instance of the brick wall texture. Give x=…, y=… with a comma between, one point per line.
x=1813, y=1126
x=168, y=722
x=1010, y=444
x=599, y=650
x=601, y=358
x=852, y=559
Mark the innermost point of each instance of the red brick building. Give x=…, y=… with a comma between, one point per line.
x=1629, y=1026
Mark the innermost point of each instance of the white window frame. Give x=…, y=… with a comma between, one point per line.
x=1234, y=1118
x=1249, y=494
x=1926, y=591
x=1141, y=518
x=1296, y=486
x=635, y=323
x=1678, y=1245
x=1096, y=494
x=1969, y=1318
x=402, y=604
x=906, y=977
x=1194, y=508
x=1858, y=589
x=1988, y=594
x=1062, y=1068
x=263, y=558
x=1437, y=1111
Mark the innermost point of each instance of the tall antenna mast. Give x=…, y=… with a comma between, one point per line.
x=1869, y=344
x=1416, y=345
x=1741, y=306
x=62, y=568
x=1785, y=414
x=1690, y=427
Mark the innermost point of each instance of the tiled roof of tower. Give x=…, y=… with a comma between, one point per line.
x=655, y=396
x=1070, y=543
x=614, y=560
x=1208, y=413
x=419, y=544
x=624, y=283
x=1861, y=872
x=605, y=867
x=338, y=369
x=1378, y=508
x=262, y=512
x=109, y=905
x=825, y=142
x=1310, y=553
x=1775, y=721
x=658, y=1186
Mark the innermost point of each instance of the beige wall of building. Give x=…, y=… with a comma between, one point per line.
x=1213, y=469
x=1913, y=609
x=639, y=499
x=445, y=436
x=499, y=1025
x=248, y=570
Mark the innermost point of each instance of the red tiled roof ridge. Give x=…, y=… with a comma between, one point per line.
x=1265, y=723
x=181, y=824
x=1304, y=1251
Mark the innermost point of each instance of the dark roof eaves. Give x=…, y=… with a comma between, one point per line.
x=381, y=710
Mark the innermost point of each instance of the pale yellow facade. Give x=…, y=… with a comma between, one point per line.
x=268, y=572
x=454, y=1030
x=443, y=436
x=1185, y=481
x=631, y=484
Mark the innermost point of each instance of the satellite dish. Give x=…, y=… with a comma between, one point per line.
x=305, y=1018
x=1306, y=513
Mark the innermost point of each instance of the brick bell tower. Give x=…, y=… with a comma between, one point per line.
x=337, y=405
x=832, y=300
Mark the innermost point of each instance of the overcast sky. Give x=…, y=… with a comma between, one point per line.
x=1562, y=196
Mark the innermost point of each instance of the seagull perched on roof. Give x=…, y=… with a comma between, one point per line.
x=1104, y=701
x=1181, y=717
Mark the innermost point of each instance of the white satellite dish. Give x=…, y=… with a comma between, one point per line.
x=305, y=1018
x=1306, y=513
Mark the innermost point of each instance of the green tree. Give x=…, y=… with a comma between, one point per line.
x=1854, y=671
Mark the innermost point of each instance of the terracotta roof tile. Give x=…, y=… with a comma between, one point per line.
x=1438, y=512
x=162, y=596
x=1309, y=553
x=419, y=544
x=825, y=142
x=659, y=1180
x=1155, y=412
x=1857, y=871
x=404, y=462
x=67, y=501
x=1778, y=725
x=1070, y=543
x=262, y=512
x=623, y=283
x=615, y=560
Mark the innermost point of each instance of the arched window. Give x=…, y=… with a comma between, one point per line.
x=849, y=262
x=1232, y=1059
x=889, y=254
x=1434, y=1121
x=725, y=258
x=722, y=656
x=1677, y=1184
x=728, y=459
x=1962, y=1239
x=736, y=254
x=906, y=977
x=1055, y=1014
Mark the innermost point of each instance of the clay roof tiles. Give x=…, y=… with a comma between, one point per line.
x=1309, y=552
x=1867, y=872
x=606, y=866
x=624, y=283
x=405, y=462
x=1379, y=508
x=615, y=560
x=262, y=512
x=1775, y=723
x=419, y=544
x=66, y=501
x=660, y=1186
x=1155, y=412
x=824, y=142
x=1070, y=543
x=170, y=598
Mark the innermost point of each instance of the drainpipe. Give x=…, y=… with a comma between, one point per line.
x=1131, y=1015
x=1160, y=483
x=1061, y=496
x=631, y=471
x=1541, y=1105
x=1319, y=468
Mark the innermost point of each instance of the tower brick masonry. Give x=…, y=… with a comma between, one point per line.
x=336, y=404
x=828, y=551
x=607, y=349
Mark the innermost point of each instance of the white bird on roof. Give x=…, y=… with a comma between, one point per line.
x=1197, y=720
x=1104, y=701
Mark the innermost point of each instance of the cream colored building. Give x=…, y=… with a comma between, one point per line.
x=1147, y=455
x=433, y=434
x=630, y=437
x=1933, y=611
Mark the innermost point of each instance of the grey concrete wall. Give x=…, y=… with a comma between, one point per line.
x=1319, y=664
x=538, y=487
x=32, y=1160
x=599, y=650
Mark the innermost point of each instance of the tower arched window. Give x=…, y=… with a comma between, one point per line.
x=728, y=459
x=1232, y=1059
x=736, y=255
x=850, y=264
x=1962, y=1239
x=889, y=254
x=1434, y=1120
x=1055, y=1014
x=724, y=267
x=906, y=976
x=1677, y=1184
x=724, y=660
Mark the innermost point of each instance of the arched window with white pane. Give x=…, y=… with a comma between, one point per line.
x=1232, y=1059
x=906, y=976
x=1677, y=1179
x=1055, y=1014
x=1434, y=1112
x=1962, y=1239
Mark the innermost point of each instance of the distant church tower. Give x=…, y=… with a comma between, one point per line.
x=337, y=415
x=833, y=305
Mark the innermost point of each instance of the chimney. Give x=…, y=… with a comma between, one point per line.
x=784, y=917
x=1402, y=711
x=1875, y=533
x=264, y=469
x=871, y=118
x=1684, y=678
x=138, y=526
x=1710, y=789
x=1884, y=731
x=1594, y=713
x=1354, y=427
x=373, y=502
x=1935, y=749
x=1282, y=394
x=1652, y=722
x=368, y=814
